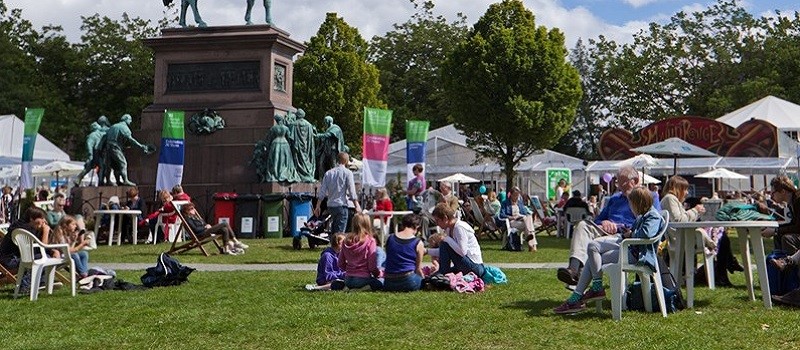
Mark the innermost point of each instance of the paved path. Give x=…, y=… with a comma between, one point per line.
x=289, y=267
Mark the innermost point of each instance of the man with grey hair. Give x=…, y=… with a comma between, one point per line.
x=446, y=188
x=615, y=217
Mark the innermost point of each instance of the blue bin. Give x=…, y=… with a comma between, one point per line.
x=300, y=211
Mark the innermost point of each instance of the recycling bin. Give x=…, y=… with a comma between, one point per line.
x=300, y=211
x=224, y=208
x=273, y=215
x=247, y=218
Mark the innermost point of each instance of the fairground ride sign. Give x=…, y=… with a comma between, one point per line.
x=753, y=138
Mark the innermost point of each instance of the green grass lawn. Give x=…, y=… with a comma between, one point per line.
x=271, y=310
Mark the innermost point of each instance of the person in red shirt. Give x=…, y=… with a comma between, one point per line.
x=179, y=195
x=166, y=208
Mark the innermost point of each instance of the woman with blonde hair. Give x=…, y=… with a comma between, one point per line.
x=358, y=256
x=66, y=232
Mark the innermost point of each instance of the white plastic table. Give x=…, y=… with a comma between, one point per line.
x=384, y=215
x=749, y=238
x=98, y=215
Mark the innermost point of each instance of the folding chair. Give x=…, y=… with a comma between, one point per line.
x=486, y=227
x=547, y=225
x=574, y=215
x=192, y=240
x=6, y=276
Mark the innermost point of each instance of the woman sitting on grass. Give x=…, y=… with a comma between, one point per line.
x=358, y=258
x=604, y=250
x=460, y=253
x=404, y=253
x=329, y=275
x=66, y=232
x=232, y=246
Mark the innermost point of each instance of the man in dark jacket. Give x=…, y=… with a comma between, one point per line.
x=34, y=220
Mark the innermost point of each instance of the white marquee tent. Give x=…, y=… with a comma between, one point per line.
x=781, y=113
x=11, y=132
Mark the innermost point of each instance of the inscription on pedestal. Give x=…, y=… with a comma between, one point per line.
x=213, y=77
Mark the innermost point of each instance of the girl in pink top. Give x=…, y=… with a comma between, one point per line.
x=357, y=257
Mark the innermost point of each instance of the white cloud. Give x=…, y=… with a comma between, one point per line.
x=638, y=3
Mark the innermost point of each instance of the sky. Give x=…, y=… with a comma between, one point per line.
x=615, y=19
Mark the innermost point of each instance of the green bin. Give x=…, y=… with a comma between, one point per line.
x=273, y=216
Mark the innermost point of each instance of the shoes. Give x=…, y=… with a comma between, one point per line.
x=233, y=251
x=781, y=264
x=567, y=275
x=311, y=287
x=592, y=295
x=735, y=266
x=240, y=245
x=567, y=308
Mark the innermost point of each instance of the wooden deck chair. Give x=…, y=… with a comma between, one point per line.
x=485, y=227
x=547, y=225
x=192, y=241
x=6, y=276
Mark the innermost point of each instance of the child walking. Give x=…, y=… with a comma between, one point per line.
x=604, y=250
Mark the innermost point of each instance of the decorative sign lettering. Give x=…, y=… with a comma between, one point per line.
x=753, y=138
x=213, y=77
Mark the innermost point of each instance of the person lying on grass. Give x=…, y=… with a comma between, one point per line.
x=604, y=250
x=329, y=275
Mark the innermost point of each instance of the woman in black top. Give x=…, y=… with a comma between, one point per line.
x=202, y=229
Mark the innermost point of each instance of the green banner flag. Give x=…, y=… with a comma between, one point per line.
x=33, y=118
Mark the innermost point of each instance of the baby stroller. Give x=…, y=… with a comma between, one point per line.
x=316, y=230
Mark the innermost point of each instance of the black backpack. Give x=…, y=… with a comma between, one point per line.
x=513, y=242
x=167, y=272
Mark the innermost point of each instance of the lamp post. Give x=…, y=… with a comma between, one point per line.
x=586, y=178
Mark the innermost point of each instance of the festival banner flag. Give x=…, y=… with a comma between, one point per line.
x=170, y=159
x=377, y=128
x=416, y=143
x=33, y=118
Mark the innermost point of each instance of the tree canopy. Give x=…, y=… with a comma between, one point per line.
x=509, y=86
x=334, y=78
x=409, y=59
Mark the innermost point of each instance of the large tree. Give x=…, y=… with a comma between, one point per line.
x=409, y=59
x=334, y=78
x=509, y=86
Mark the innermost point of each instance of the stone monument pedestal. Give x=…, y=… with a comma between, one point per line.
x=244, y=73
x=85, y=200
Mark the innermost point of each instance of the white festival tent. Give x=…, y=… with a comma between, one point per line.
x=11, y=132
x=781, y=113
x=447, y=153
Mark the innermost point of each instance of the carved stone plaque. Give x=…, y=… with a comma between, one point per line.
x=279, y=82
x=213, y=76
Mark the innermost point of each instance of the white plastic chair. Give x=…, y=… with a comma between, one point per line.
x=575, y=215
x=617, y=275
x=172, y=228
x=28, y=244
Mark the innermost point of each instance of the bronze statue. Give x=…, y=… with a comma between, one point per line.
x=185, y=4
x=273, y=156
x=301, y=138
x=331, y=142
x=93, y=150
x=118, y=137
x=205, y=122
x=267, y=6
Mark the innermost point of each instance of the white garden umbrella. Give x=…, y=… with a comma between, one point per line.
x=721, y=173
x=675, y=147
x=460, y=178
x=647, y=179
x=638, y=161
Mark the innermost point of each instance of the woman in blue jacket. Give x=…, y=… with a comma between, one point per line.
x=519, y=217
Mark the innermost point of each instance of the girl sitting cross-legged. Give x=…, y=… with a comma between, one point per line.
x=358, y=258
x=605, y=249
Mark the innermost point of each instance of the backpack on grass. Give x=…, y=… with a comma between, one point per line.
x=673, y=298
x=167, y=272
